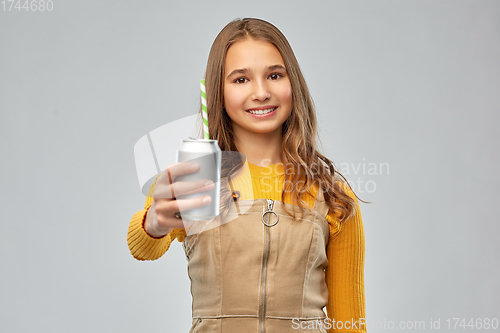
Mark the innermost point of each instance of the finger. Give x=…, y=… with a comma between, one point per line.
x=181, y=168
x=167, y=208
x=161, y=221
x=174, y=222
x=167, y=178
x=171, y=222
x=182, y=205
x=179, y=188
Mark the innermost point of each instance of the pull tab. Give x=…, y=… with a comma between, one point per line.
x=269, y=210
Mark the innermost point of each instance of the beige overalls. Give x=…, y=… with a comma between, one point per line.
x=259, y=274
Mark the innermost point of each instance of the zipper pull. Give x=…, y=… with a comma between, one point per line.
x=270, y=205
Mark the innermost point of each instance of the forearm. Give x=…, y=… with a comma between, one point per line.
x=345, y=275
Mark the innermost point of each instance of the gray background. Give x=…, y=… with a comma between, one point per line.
x=413, y=84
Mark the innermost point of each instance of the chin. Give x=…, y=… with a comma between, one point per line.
x=263, y=130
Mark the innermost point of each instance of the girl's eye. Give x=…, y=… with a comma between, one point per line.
x=240, y=80
x=275, y=76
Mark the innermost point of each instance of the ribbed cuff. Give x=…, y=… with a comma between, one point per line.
x=143, y=246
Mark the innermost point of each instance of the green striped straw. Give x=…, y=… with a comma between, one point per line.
x=204, y=109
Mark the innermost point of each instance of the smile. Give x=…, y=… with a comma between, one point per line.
x=261, y=111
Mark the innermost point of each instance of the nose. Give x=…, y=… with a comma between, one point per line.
x=260, y=91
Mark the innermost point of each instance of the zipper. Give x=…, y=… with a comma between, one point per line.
x=270, y=205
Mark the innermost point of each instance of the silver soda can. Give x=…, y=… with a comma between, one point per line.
x=208, y=155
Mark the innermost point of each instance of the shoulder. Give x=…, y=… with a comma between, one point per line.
x=346, y=188
x=334, y=214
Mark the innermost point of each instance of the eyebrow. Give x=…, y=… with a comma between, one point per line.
x=246, y=70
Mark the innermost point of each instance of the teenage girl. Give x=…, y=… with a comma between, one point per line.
x=295, y=244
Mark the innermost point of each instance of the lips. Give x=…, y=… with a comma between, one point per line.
x=262, y=110
x=263, y=107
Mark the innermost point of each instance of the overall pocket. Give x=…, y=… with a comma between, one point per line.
x=196, y=325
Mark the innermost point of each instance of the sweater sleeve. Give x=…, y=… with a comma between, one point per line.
x=142, y=246
x=345, y=272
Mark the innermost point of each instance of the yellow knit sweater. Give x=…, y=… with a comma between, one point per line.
x=345, y=249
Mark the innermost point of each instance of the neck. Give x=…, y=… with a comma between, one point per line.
x=262, y=149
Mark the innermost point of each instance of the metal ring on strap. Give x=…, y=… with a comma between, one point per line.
x=270, y=211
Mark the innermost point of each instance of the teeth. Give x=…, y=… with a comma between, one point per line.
x=261, y=111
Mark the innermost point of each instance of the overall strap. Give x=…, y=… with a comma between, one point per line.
x=319, y=204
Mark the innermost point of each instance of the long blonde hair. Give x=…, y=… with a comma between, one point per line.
x=299, y=155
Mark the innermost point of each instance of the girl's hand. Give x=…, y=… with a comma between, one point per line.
x=160, y=218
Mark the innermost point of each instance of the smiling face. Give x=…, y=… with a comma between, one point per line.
x=257, y=90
